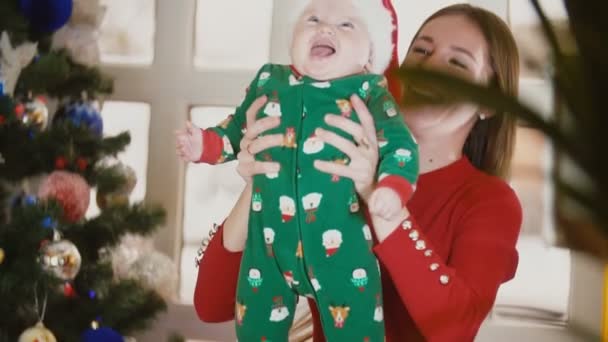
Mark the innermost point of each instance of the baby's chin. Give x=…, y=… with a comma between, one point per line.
x=325, y=70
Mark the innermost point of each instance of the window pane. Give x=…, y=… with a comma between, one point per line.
x=127, y=32
x=134, y=118
x=210, y=193
x=232, y=39
x=525, y=26
x=411, y=14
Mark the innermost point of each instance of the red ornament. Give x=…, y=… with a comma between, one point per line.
x=70, y=190
x=82, y=163
x=2, y=119
x=19, y=110
x=60, y=163
x=68, y=290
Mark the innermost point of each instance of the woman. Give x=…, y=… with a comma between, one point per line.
x=445, y=257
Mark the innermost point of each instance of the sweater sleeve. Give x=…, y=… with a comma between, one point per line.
x=214, y=294
x=221, y=143
x=448, y=297
x=398, y=150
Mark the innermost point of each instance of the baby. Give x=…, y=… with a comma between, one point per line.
x=307, y=232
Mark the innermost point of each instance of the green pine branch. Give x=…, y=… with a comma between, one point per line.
x=107, y=229
x=29, y=153
x=13, y=22
x=124, y=301
x=57, y=75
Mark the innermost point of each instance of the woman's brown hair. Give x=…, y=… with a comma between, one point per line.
x=491, y=142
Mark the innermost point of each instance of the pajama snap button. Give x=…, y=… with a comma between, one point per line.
x=434, y=266
x=420, y=245
x=406, y=225
x=444, y=279
x=428, y=252
x=414, y=235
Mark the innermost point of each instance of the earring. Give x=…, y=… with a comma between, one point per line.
x=482, y=116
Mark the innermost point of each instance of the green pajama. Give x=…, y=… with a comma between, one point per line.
x=307, y=233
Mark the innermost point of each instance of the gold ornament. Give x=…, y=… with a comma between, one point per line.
x=37, y=333
x=121, y=195
x=1, y=255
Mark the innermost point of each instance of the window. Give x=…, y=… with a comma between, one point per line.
x=133, y=117
x=219, y=45
x=127, y=32
x=210, y=192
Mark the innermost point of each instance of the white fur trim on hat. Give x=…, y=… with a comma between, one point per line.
x=379, y=24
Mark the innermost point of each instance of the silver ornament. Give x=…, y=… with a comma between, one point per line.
x=157, y=272
x=127, y=252
x=36, y=114
x=61, y=258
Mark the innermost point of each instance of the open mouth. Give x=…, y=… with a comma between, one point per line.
x=322, y=48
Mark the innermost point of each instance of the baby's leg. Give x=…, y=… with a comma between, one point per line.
x=350, y=304
x=265, y=304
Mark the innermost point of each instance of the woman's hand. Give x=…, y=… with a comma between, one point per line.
x=251, y=144
x=363, y=155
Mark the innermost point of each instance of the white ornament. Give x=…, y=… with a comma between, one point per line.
x=157, y=272
x=37, y=333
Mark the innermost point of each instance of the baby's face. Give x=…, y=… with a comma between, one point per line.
x=330, y=40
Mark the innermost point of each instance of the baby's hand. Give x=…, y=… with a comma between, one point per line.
x=189, y=143
x=385, y=203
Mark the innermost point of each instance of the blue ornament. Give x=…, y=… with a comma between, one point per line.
x=101, y=335
x=92, y=294
x=30, y=200
x=81, y=114
x=46, y=15
x=48, y=222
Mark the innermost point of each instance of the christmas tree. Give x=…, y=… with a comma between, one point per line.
x=57, y=275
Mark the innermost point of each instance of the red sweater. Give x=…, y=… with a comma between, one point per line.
x=468, y=220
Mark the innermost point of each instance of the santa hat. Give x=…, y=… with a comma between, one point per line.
x=394, y=85
x=381, y=21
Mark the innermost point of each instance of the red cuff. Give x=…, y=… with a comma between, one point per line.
x=424, y=282
x=213, y=146
x=398, y=184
